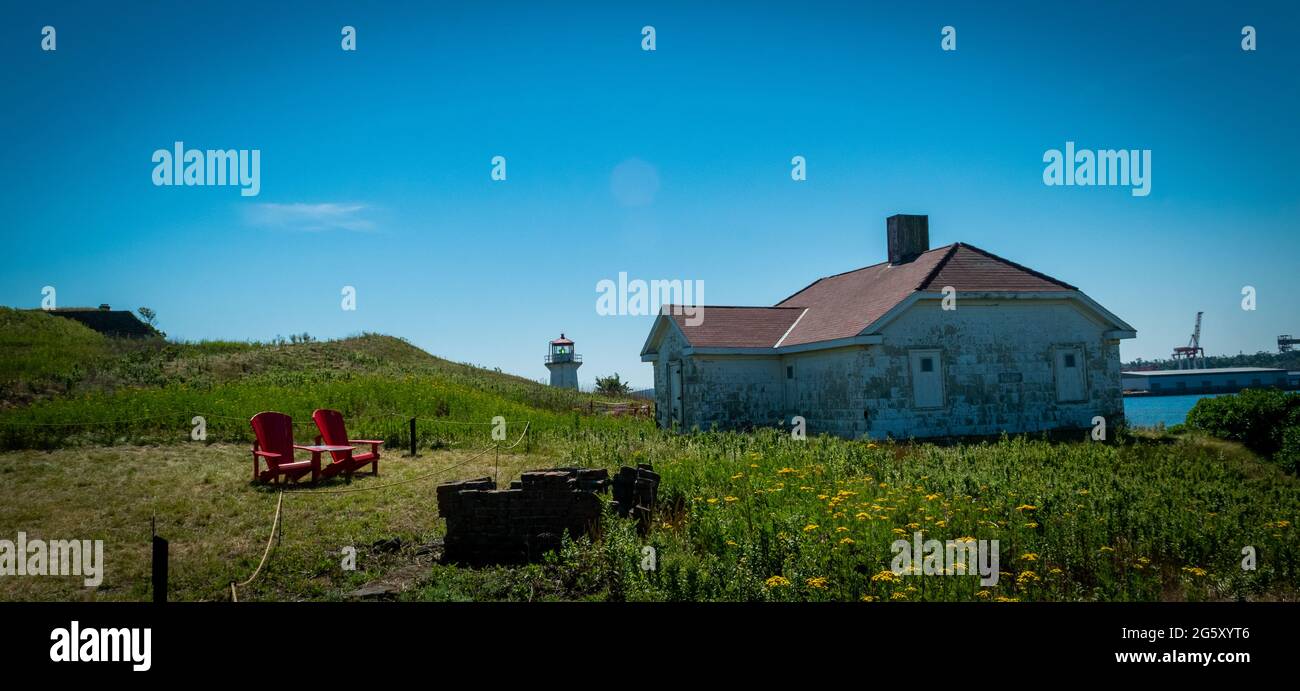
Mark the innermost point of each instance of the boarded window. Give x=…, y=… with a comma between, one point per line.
x=1070, y=383
x=791, y=389
x=676, y=407
x=927, y=379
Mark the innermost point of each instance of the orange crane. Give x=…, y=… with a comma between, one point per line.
x=1192, y=354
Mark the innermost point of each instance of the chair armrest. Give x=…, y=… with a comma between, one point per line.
x=366, y=441
x=266, y=454
x=304, y=448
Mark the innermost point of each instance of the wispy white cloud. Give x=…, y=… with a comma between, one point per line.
x=312, y=218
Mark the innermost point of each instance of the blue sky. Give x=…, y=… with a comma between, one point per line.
x=375, y=164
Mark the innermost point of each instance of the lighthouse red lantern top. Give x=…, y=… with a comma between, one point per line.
x=562, y=351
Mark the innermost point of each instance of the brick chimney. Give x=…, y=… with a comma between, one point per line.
x=909, y=236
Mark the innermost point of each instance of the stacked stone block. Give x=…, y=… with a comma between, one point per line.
x=635, y=490
x=486, y=525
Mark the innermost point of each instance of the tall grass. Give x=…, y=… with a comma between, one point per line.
x=763, y=517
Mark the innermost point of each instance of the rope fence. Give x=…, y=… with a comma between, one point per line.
x=234, y=596
x=182, y=413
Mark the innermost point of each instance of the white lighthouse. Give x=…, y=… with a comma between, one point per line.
x=563, y=363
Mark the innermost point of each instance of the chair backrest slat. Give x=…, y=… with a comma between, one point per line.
x=332, y=430
x=274, y=432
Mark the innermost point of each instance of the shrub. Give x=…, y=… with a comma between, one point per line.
x=1262, y=419
x=1289, y=455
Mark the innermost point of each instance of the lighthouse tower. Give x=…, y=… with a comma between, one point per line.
x=563, y=363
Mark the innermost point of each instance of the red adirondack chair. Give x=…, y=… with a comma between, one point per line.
x=274, y=444
x=333, y=432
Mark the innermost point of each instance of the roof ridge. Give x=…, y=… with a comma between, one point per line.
x=1022, y=267
x=731, y=307
x=947, y=247
x=934, y=271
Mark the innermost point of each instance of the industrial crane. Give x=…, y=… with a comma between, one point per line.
x=1192, y=354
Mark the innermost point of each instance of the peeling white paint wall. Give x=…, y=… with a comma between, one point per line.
x=997, y=367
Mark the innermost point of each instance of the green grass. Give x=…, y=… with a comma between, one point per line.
x=201, y=499
x=44, y=353
x=756, y=516
x=1142, y=520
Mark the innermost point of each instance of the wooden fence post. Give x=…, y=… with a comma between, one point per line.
x=159, y=569
x=413, y=437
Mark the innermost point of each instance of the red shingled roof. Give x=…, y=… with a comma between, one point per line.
x=965, y=267
x=736, y=327
x=841, y=306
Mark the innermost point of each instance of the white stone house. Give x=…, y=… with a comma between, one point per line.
x=878, y=352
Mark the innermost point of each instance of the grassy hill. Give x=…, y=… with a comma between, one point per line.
x=63, y=384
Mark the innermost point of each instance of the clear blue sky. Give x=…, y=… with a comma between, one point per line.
x=375, y=164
